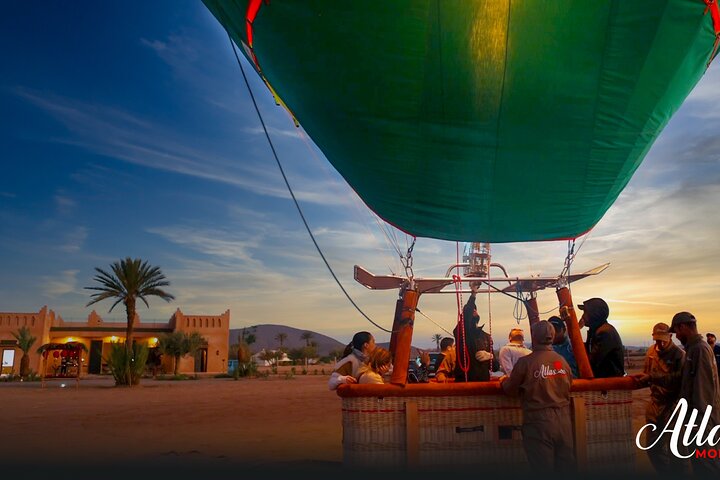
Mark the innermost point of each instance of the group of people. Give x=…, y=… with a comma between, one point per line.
x=673, y=373
x=542, y=376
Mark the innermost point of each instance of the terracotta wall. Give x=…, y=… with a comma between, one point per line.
x=39, y=325
x=214, y=328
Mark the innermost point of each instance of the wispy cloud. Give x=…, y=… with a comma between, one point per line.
x=8, y=194
x=73, y=240
x=64, y=204
x=57, y=285
x=121, y=135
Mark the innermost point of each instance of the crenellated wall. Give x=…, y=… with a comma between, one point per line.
x=215, y=329
x=49, y=327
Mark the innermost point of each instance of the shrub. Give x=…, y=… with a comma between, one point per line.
x=304, y=371
x=127, y=369
x=289, y=375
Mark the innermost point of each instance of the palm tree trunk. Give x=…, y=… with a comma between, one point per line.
x=130, y=311
x=177, y=364
x=25, y=365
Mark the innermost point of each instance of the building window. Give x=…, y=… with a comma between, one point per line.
x=219, y=323
x=213, y=323
x=187, y=322
x=32, y=322
x=194, y=324
x=206, y=323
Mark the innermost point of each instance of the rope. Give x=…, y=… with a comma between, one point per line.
x=465, y=364
x=355, y=200
x=434, y=322
x=292, y=194
x=492, y=350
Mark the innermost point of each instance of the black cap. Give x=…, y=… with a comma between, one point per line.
x=682, y=317
x=596, y=309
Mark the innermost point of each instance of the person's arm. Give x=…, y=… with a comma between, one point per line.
x=599, y=348
x=672, y=380
x=703, y=381
x=646, y=366
x=342, y=375
x=511, y=385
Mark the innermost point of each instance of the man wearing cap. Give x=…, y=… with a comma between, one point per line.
x=543, y=380
x=513, y=351
x=700, y=385
x=663, y=373
x=604, y=346
x=562, y=345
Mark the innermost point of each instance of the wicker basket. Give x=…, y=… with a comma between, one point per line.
x=473, y=429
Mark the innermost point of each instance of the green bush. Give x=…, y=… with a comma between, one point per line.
x=289, y=376
x=127, y=369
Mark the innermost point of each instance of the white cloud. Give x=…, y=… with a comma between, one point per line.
x=65, y=282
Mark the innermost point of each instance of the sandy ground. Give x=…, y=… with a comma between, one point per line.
x=223, y=420
x=259, y=422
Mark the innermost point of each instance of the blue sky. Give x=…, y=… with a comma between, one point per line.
x=127, y=131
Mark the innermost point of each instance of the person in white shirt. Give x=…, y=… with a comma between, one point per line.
x=513, y=351
x=356, y=353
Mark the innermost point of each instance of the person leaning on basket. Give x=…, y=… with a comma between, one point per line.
x=700, y=386
x=355, y=354
x=542, y=380
x=663, y=374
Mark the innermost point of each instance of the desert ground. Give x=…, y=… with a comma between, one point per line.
x=211, y=421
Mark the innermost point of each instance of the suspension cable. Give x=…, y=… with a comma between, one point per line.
x=434, y=322
x=292, y=194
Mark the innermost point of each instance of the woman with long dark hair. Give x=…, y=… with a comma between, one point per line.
x=356, y=353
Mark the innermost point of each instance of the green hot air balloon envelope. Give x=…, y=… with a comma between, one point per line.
x=491, y=120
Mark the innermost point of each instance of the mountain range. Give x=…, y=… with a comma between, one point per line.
x=266, y=338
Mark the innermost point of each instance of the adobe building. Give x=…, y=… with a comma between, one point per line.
x=97, y=335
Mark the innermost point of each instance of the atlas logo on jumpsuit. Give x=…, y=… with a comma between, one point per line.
x=546, y=371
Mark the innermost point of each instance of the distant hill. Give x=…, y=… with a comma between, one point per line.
x=265, y=338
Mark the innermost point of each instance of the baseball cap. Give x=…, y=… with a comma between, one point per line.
x=661, y=331
x=682, y=317
x=543, y=333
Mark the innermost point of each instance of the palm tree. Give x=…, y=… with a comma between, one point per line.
x=436, y=338
x=130, y=279
x=281, y=337
x=306, y=336
x=180, y=344
x=25, y=342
